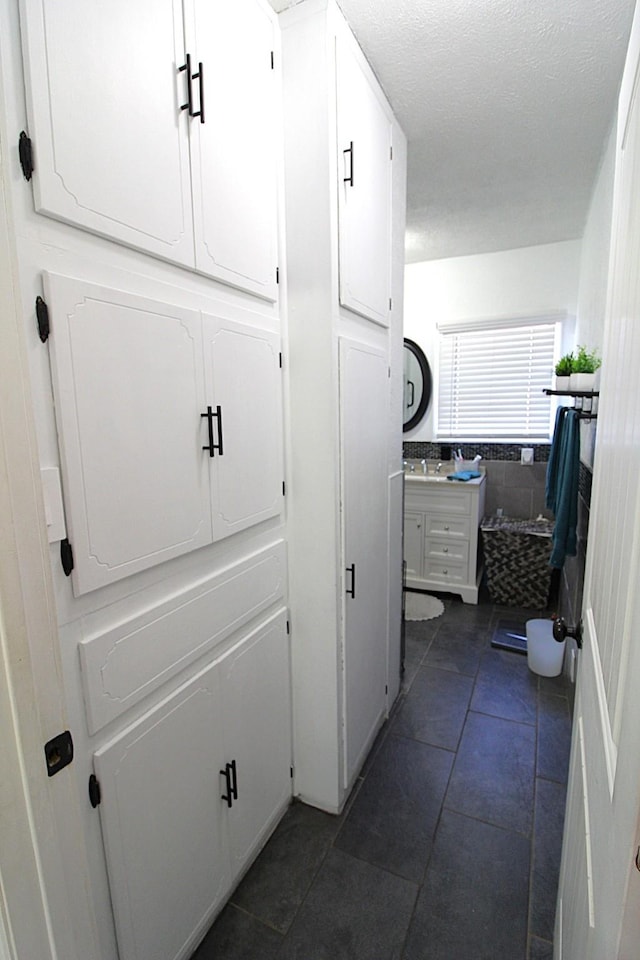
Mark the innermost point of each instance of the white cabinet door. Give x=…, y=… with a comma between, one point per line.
x=414, y=543
x=364, y=192
x=110, y=142
x=129, y=394
x=162, y=820
x=364, y=389
x=255, y=683
x=233, y=152
x=244, y=379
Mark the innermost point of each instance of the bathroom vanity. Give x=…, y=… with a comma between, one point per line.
x=441, y=522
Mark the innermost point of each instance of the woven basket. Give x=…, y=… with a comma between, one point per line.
x=516, y=554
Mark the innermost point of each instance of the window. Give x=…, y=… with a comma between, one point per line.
x=491, y=378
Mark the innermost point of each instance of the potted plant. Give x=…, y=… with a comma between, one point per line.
x=583, y=369
x=563, y=369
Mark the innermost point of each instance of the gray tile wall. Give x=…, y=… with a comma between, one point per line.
x=515, y=488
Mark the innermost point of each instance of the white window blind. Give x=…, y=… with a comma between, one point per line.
x=491, y=379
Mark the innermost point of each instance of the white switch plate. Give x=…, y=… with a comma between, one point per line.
x=526, y=455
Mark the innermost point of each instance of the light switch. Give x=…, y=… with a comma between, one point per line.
x=526, y=455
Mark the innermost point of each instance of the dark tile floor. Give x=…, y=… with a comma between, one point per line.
x=449, y=846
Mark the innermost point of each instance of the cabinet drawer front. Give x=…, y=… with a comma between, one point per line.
x=445, y=572
x=443, y=551
x=452, y=501
x=449, y=528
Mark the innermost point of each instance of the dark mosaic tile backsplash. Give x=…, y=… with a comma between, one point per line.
x=488, y=451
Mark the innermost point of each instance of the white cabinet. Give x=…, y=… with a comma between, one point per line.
x=364, y=195
x=441, y=524
x=363, y=385
x=131, y=144
x=189, y=792
x=169, y=422
x=344, y=257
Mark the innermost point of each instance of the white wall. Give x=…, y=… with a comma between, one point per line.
x=594, y=269
x=528, y=281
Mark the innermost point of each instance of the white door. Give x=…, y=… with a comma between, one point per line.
x=255, y=684
x=130, y=431
x=244, y=380
x=110, y=141
x=364, y=192
x=233, y=152
x=599, y=896
x=162, y=817
x=364, y=388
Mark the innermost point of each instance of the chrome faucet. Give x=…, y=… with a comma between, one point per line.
x=424, y=467
x=439, y=468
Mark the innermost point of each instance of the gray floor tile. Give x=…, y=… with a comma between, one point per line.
x=457, y=648
x=473, y=905
x=237, y=936
x=394, y=816
x=354, y=911
x=505, y=687
x=554, y=738
x=418, y=636
x=549, y=820
x=278, y=881
x=434, y=710
x=493, y=774
x=540, y=950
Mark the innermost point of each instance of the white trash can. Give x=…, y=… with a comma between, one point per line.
x=544, y=653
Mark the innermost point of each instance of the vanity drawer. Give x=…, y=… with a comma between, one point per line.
x=445, y=572
x=453, y=501
x=444, y=551
x=439, y=525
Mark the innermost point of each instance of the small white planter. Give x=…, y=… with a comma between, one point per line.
x=561, y=383
x=583, y=381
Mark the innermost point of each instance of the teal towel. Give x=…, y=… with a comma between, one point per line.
x=464, y=475
x=566, y=491
x=551, y=486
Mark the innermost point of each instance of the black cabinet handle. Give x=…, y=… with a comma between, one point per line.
x=199, y=76
x=212, y=446
x=349, y=150
x=228, y=796
x=351, y=592
x=189, y=104
x=234, y=779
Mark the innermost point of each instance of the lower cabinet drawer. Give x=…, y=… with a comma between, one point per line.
x=438, y=525
x=443, y=551
x=445, y=572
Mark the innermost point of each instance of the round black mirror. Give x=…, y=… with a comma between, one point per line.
x=417, y=385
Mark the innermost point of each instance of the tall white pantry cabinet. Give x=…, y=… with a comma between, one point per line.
x=345, y=163
x=218, y=420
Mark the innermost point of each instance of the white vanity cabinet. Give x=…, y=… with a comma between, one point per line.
x=441, y=523
x=190, y=790
x=162, y=457
x=155, y=124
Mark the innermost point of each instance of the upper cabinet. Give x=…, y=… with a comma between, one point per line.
x=159, y=458
x=364, y=190
x=158, y=135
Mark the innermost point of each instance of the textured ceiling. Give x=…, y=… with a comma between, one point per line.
x=507, y=105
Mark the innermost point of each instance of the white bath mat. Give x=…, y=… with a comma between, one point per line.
x=422, y=606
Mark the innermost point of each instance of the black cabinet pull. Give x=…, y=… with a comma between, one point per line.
x=199, y=76
x=212, y=446
x=234, y=779
x=349, y=150
x=351, y=592
x=228, y=796
x=189, y=104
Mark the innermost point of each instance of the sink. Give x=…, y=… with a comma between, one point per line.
x=426, y=478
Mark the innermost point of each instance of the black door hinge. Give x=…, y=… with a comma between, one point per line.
x=95, y=793
x=66, y=556
x=42, y=316
x=25, y=152
x=58, y=753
